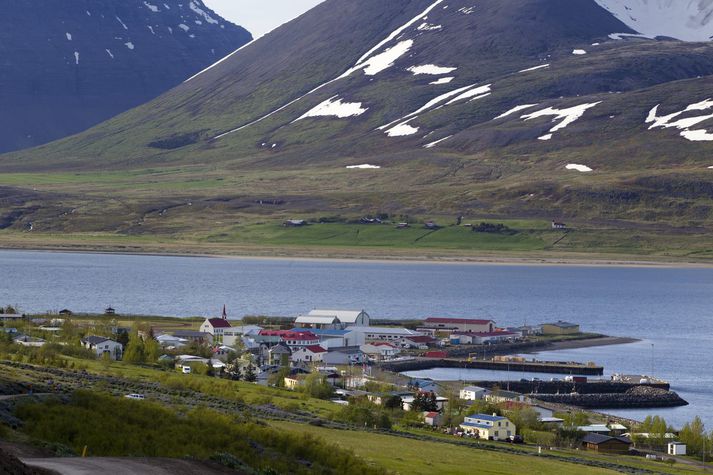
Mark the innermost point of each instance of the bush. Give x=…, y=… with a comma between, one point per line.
x=493, y=229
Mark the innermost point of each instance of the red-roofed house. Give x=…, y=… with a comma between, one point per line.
x=433, y=419
x=294, y=339
x=460, y=324
x=308, y=354
x=421, y=342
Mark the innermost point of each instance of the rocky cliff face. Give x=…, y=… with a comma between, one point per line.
x=65, y=66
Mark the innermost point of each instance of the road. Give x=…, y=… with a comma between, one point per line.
x=125, y=466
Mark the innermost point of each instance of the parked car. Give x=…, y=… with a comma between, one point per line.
x=139, y=397
x=516, y=439
x=186, y=370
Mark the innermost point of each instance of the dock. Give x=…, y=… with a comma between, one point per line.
x=548, y=367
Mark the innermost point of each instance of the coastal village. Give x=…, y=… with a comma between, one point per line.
x=347, y=358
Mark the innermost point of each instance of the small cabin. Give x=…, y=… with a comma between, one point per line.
x=558, y=225
x=109, y=311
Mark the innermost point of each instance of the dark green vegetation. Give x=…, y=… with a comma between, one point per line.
x=117, y=427
x=156, y=177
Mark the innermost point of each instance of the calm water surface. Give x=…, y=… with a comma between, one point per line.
x=670, y=308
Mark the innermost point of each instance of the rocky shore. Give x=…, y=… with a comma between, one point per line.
x=637, y=397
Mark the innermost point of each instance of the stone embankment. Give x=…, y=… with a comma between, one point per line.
x=634, y=398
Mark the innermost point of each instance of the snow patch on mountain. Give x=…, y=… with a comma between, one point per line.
x=578, y=52
x=403, y=129
x=199, y=11
x=433, y=144
x=364, y=166
x=431, y=69
x=534, y=68
x=565, y=116
x=579, y=168
x=472, y=94
x=686, y=20
x=335, y=108
x=153, y=8
x=385, y=60
x=684, y=124
x=440, y=81
x=514, y=110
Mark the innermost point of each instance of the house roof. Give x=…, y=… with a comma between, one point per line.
x=486, y=417
x=562, y=324
x=420, y=339
x=489, y=334
x=315, y=349
x=431, y=414
x=189, y=334
x=470, y=321
x=218, y=323
x=317, y=319
x=594, y=428
x=291, y=335
x=597, y=439
x=281, y=349
x=396, y=331
x=94, y=340
x=473, y=388
x=325, y=332
x=344, y=316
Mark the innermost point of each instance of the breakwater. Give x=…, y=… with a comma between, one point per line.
x=638, y=397
x=563, y=387
x=515, y=366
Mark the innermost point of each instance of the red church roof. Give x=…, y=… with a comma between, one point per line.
x=219, y=323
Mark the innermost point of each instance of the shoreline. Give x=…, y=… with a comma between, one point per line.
x=369, y=255
x=586, y=343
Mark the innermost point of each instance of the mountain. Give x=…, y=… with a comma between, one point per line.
x=594, y=110
x=67, y=66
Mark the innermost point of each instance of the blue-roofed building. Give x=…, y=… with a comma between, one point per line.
x=484, y=426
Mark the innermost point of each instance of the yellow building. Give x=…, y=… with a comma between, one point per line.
x=560, y=328
x=487, y=427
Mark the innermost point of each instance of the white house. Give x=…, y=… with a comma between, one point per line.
x=215, y=327
x=344, y=356
x=484, y=426
x=473, y=393
x=234, y=335
x=337, y=338
x=166, y=340
x=348, y=318
x=103, y=346
x=308, y=354
x=380, y=350
x=676, y=448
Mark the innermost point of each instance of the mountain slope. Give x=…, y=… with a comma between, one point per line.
x=69, y=65
x=526, y=108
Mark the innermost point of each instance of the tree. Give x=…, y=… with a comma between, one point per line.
x=317, y=386
x=394, y=402
x=657, y=428
x=134, y=352
x=525, y=418
x=694, y=436
x=424, y=402
x=250, y=375
x=152, y=350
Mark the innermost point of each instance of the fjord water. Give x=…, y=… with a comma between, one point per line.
x=669, y=307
